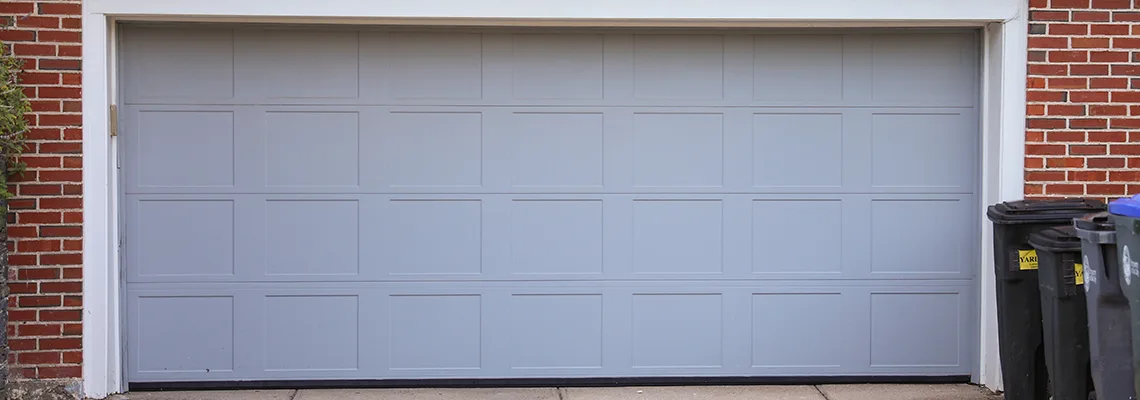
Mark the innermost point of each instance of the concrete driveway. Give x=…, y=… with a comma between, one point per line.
x=822, y=392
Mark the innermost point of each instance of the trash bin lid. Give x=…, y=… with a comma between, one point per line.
x=1095, y=222
x=1060, y=211
x=1128, y=206
x=1056, y=239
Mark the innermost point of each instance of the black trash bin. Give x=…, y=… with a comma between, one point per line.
x=1126, y=216
x=1110, y=331
x=1064, y=317
x=1018, y=297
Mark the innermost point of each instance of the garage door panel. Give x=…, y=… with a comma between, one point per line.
x=798, y=68
x=267, y=65
x=202, y=58
x=946, y=161
x=928, y=68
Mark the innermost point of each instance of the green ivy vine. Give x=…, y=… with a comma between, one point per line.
x=13, y=124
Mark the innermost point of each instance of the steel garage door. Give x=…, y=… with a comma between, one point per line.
x=336, y=204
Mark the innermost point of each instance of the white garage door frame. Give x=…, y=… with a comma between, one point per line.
x=1003, y=104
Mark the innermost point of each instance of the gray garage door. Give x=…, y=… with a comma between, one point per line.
x=343, y=204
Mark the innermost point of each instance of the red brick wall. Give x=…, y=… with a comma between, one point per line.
x=1083, y=136
x=46, y=236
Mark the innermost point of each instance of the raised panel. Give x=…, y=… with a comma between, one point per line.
x=312, y=237
x=558, y=66
x=678, y=150
x=307, y=64
x=436, y=65
x=928, y=68
x=935, y=151
x=176, y=63
x=899, y=244
x=915, y=329
x=184, y=238
x=298, y=141
x=432, y=237
x=677, y=331
x=556, y=331
x=311, y=333
x=678, y=66
x=798, y=67
x=797, y=150
x=557, y=150
x=435, y=332
x=800, y=330
x=556, y=237
x=184, y=334
x=434, y=149
x=185, y=149
x=678, y=236
x=787, y=236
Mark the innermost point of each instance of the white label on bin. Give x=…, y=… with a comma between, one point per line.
x=1089, y=273
x=1130, y=267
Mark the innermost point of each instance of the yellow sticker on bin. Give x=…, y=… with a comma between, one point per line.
x=1080, y=269
x=1027, y=259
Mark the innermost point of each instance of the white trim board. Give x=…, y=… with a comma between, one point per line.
x=1003, y=106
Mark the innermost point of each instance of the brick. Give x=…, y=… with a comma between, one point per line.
x=1106, y=189
x=1088, y=123
x=39, y=78
x=1125, y=149
x=1126, y=97
x=61, y=287
x=1045, y=96
x=1088, y=176
x=1070, y=29
x=17, y=7
x=28, y=274
x=1106, y=163
x=60, y=315
x=61, y=344
x=59, y=64
x=60, y=36
x=73, y=162
x=22, y=344
x=67, y=175
x=1088, y=149
x=1044, y=176
x=1036, y=56
x=61, y=259
x=33, y=161
x=1035, y=109
x=1048, y=69
x=38, y=357
x=73, y=245
x=1044, y=42
x=1033, y=82
x=61, y=147
x=1065, y=188
x=1065, y=136
x=1106, y=29
x=39, y=190
x=23, y=287
x=1107, y=4
x=69, y=51
x=1124, y=176
x=1048, y=15
x=1108, y=110
x=1135, y=110
x=1065, y=162
x=72, y=134
x=1108, y=56
x=72, y=329
x=72, y=273
x=1126, y=43
x=60, y=92
x=1068, y=56
x=61, y=231
x=1088, y=97
x=32, y=217
x=1091, y=16
x=21, y=204
x=72, y=8
x=71, y=23
x=1119, y=16
x=71, y=190
x=1067, y=83
x=38, y=245
x=1068, y=4
x=72, y=357
x=1031, y=189
x=1129, y=70
x=1108, y=136
x=1089, y=43
x=1034, y=162
x=1134, y=163
x=22, y=259
x=1045, y=149
x=60, y=372
x=12, y=35
x=1066, y=110
x=73, y=301
x=1125, y=123
x=39, y=330
x=38, y=22
x=39, y=301
x=61, y=203
x=33, y=49
x=72, y=217
x=1089, y=69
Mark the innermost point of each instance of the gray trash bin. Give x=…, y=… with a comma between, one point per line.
x=1126, y=217
x=1110, y=329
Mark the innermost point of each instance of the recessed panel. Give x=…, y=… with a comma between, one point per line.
x=197, y=64
x=799, y=330
x=557, y=150
x=556, y=331
x=899, y=244
x=677, y=331
x=312, y=148
x=928, y=68
x=185, y=149
x=678, y=66
x=678, y=150
x=435, y=332
x=184, y=334
x=184, y=238
x=923, y=150
x=558, y=66
x=678, y=236
x=306, y=64
x=797, y=149
x=798, y=67
x=915, y=329
x=556, y=236
x=433, y=237
x=312, y=237
x=787, y=233
x=311, y=333
x=434, y=149
x=436, y=65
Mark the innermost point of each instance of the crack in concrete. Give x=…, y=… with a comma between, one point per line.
x=821, y=393
x=561, y=393
x=294, y=395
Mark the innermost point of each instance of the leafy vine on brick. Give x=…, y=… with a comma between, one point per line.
x=13, y=125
